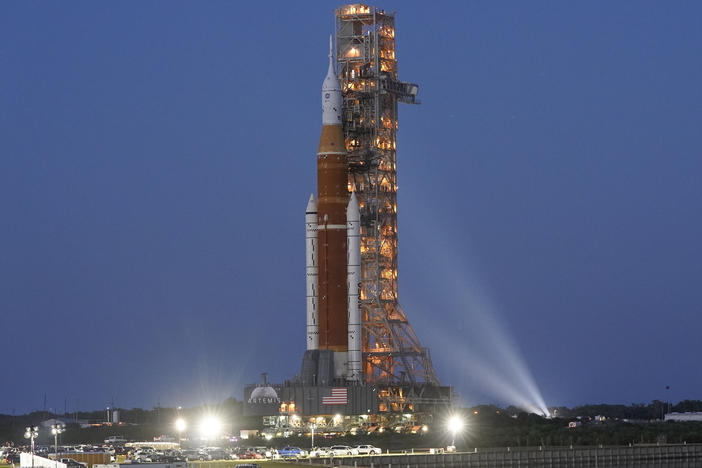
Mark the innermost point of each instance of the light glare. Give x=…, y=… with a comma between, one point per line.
x=455, y=424
x=210, y=427
x=180, y=425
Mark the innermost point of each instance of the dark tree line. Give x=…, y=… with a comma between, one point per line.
x=637, y=411
x=485, y=426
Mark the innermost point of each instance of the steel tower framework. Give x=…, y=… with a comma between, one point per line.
x=365, y=52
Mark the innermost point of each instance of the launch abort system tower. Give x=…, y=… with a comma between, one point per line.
x=365, y=52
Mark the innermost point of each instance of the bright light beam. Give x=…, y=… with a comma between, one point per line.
x=505, y=373
x=508, y=355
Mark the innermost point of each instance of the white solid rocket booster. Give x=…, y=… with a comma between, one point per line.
x=311, y=263
x=353, y=269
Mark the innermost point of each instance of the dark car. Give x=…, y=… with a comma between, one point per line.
x=72, y=463
x=219, y=455
x=121, y=450
x=42, y=452
x=171, y=456
x=190, y=455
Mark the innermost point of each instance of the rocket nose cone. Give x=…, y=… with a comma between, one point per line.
x=353, y=209
x=311, y=205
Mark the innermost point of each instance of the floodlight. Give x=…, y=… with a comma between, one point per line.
x=180, y=424
x=31, y=433
x=454, y=425
x=210, y=427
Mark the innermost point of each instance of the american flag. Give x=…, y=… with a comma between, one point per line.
x=338, y=397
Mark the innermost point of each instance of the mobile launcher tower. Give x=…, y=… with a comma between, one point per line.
x=362, y=358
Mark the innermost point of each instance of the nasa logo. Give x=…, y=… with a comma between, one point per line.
x=326, y=96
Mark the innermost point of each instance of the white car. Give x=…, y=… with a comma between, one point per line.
x=368, y=450
x=319, y=452
x=341, y=450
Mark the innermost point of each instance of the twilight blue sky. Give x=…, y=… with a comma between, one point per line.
x=156, y=159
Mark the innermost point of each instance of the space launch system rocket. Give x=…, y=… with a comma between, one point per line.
x=333, y=244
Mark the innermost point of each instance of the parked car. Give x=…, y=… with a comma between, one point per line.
x=368, y=450
x=121, y=450
x=171, y=456
x=72, y=463
x=43, y=452
x=143, y=456
x=191, y=455
x=319, y=452
x=120, y=440
x=249, y=455
x=219, y=454
x=341, y=450
x=292, y=452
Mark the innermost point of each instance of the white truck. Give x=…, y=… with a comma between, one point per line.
x=112, y=440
